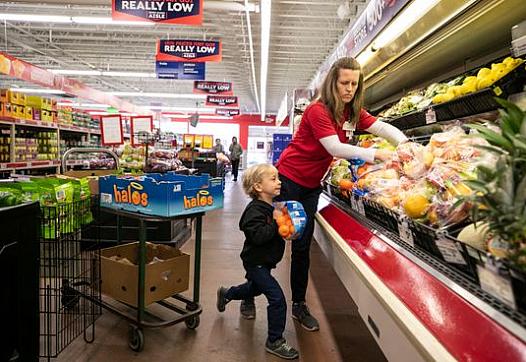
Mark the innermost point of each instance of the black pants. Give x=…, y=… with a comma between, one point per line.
x=300, y=258
x=260, y=281
x=235, y=168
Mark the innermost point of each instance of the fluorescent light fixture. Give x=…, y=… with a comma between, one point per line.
x=403, y=21
x=74, y=72
x=265, y=6
x=83, y=105
x=186, y=116
x=101, y=73
x=159, y=95
x=252, y=63
x=64, y=19
x=182, y=109
x=130, y=74
x=36, y=90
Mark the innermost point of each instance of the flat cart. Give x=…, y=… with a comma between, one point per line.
x=187, y=310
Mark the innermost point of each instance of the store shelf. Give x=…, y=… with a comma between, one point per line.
x=12, y=166
x=78, y=129
x=27, y=123
x=378, y=268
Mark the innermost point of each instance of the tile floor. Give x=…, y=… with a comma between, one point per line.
x=226, y=336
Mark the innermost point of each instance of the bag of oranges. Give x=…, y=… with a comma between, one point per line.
x=291, y=219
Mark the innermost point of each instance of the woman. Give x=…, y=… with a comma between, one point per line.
x=323, y=133
x=235, y=154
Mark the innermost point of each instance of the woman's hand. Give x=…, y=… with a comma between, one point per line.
x=383, y=155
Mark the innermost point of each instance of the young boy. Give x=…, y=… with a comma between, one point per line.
x=262, y=250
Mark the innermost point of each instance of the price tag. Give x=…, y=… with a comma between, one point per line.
x=497, y=91
x=359, y=205
x=449, y=250
x=496, y=285
x=405, y=233
x=431, y=116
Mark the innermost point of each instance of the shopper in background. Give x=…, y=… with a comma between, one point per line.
x=325, y=129
x=218, y=147
x=262, y=250
x=235, y=154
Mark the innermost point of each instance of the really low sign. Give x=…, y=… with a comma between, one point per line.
x=222, y=101
x=182, y=50
x=189, y=12
x=208, y=87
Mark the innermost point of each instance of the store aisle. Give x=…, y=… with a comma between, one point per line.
x=226, y=336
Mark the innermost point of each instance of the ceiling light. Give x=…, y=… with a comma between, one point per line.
x=158, y=95
x=265, y=42
x=75, y=72
x=64, y=19
x=182, y=109
x=403, y=21
x=36, y=90
x=130, y=74
x=187, y=116
x=252, y=63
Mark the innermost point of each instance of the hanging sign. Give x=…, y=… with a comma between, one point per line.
x=140, y=124
x=208, y=141
x=207, y=87
x=228, y=112
x=221, y=101
x=182, y=50
x=189, y=12
x=179, y=70
x=111, y=130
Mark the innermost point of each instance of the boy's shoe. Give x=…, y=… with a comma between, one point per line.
x=247, y=309
x=221, y=299
x=301, y=313
x=281, y=349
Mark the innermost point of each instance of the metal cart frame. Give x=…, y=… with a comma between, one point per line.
x=189, y=314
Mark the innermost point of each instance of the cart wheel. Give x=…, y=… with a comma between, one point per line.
x=136, y=339
x=192, y=322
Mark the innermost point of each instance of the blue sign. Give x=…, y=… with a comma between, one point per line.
x=180, y=70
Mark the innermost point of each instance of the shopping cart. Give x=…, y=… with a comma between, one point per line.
x=69, y=289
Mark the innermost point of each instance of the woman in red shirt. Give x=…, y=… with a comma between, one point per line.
x=325, y=129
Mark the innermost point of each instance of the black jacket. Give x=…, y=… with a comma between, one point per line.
x=263, y=244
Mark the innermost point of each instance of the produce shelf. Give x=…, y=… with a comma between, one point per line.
x=12, y=166
x=72, y=128
x=27, y=123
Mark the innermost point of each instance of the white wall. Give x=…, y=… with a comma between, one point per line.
x=261, y=134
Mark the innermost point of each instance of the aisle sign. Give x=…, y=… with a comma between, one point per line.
x=228, y=112
x=207, y=87
x=140, y=124
x=189, y=12
x=221, y=101
x=179, y=70
x=184, y=50
x=111, y=130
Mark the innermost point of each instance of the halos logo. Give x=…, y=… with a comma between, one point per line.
x=201, y=199
x=131, y=195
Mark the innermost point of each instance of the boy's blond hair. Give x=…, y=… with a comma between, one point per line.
x=254, y=175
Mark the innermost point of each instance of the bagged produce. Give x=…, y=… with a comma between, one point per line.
x=291, y=219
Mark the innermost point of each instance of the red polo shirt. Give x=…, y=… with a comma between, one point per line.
x=305, y=160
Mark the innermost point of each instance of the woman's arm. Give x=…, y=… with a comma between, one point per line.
x=392, y=134
x=337, y=149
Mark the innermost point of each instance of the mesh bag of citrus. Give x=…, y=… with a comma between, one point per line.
x=291, y=219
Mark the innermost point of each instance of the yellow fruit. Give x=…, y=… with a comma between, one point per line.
x=416, y=206
x=428, y=158
x=469, y=80
x=486, y=82
x=497, y=66
x=455, y=90
x=508, y=61
x=470, y=87
x=475, y=235
x=483, y=72
x=439, y=98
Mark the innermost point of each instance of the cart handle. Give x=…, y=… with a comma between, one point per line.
x=88, y=150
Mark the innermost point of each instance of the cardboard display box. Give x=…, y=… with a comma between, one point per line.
x=168, y=194
x=166, y=276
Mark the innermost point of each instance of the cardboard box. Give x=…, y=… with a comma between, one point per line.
x=163, y=278
x=168, y=194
